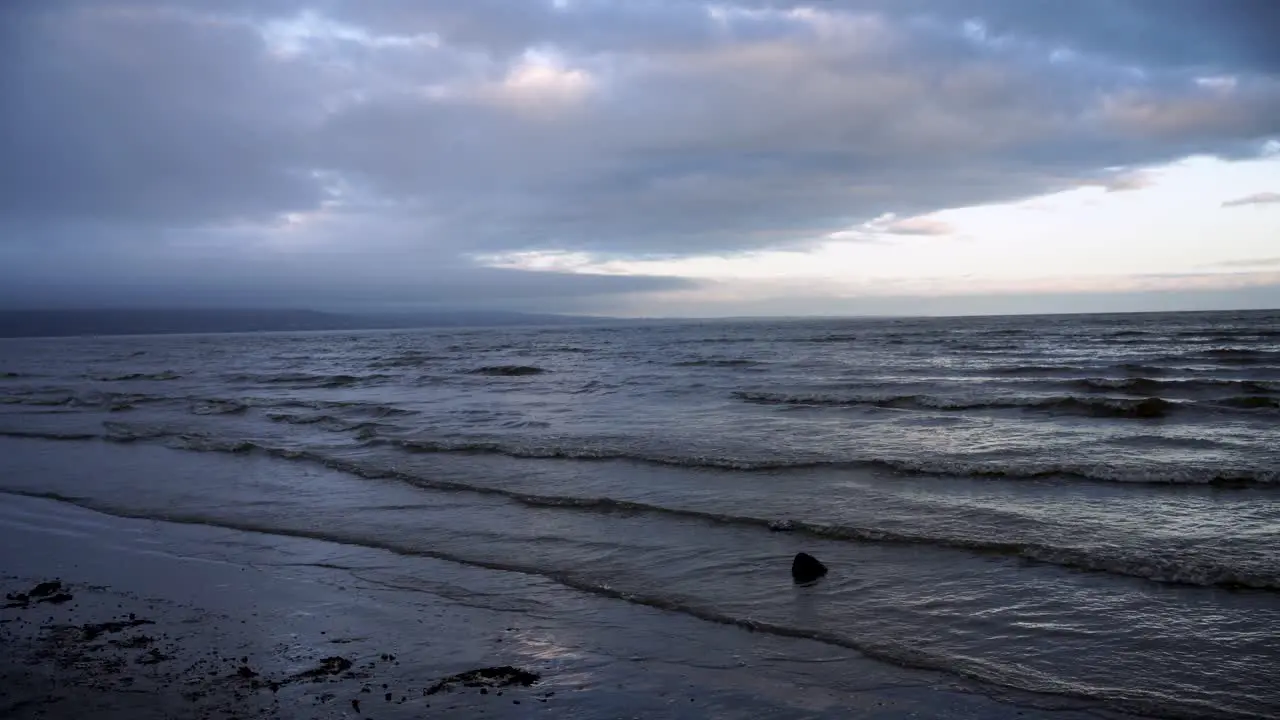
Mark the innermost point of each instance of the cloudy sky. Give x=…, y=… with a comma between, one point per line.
x=641, y=157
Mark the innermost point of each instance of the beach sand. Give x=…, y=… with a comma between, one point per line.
x=158, y=619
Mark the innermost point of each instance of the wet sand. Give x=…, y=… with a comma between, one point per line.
x=159, y=620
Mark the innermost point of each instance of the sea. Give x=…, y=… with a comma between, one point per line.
x=1083, y=510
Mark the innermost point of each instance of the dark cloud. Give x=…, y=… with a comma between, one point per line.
x=155, y=148
x=148, y=271
x=1222, y=35
x=1250, y=263
x=127, y=113
x=1262, y=198
x=1205, y=35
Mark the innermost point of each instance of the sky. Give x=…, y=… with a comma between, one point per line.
x=641, y=157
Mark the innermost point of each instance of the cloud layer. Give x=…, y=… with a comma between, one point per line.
x=336, y=151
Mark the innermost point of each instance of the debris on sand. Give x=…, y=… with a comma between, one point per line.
x=137, y=642
x=153, y=656
x=91, y=631
x=494, y=677
x=46, y=592
x=329, y=666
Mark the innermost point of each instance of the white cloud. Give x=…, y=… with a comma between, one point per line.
x=541, y=82
x=922, y=225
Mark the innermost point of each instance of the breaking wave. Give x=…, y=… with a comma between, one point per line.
x=508, y=370
x=306, y=380
x=1179, y=474
x=734, y=362
x=1035, y=370
x=1157, y=567
x=1152, y=386
x=160, y=376
x=1145, y=408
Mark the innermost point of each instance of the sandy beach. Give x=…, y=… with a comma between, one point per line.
x=156, y=619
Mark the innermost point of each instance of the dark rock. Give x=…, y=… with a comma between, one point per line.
x=805, y=568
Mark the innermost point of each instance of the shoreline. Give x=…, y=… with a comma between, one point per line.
x=220, y=623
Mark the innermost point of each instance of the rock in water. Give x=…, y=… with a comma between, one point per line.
x=806, y=568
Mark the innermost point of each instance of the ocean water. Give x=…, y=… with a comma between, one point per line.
x=1082, y=510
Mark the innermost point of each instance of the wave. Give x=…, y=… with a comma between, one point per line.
x=508, y=370
x=352, y=408
x=36, y=400
x=834, y=338
x=307, y=380
x=1144, y=368
x=1109, y=560
x=218, y=407
x=1146, y=408
x=886, y=649
x=737, y=362
x=1006, y=470
x=1153, y=566
x=719, y=340
x=1235, y=333
x=112, y=402
x=1242, y=356
x=166, y=375
x=979, y=346
x=1152, y=386
x=1251, y=402
x=363, y=428
x=1035, y=370
x=371, y=435
x=43, y=435
x=1219, y=356
x=412, y=359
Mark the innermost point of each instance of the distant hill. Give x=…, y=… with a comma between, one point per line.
x=55, y=323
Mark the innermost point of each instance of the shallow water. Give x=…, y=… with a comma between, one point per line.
x=1080, y=507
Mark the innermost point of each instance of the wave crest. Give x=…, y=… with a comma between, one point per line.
x=508, y=370
x=1144, y=408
